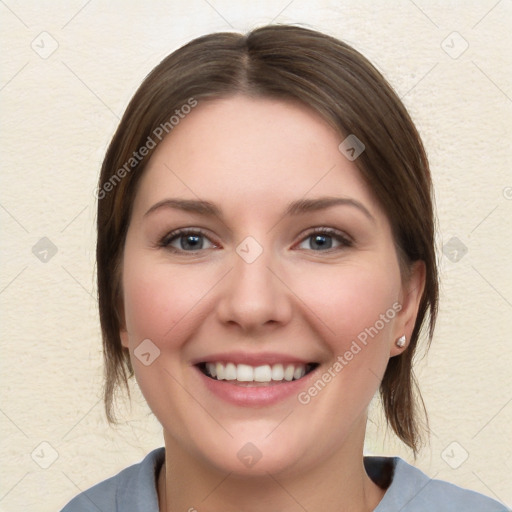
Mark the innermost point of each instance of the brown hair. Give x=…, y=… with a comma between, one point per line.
x=291, y=63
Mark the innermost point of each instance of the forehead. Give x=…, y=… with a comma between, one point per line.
x=255, y=152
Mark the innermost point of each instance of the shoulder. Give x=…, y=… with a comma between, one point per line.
x=131, y=490
x=411, y=490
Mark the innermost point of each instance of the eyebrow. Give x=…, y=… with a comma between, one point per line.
x=298, y=207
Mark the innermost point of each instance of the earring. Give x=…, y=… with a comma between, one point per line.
x=400, y=342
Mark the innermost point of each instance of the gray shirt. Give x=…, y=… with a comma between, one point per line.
x=408, y=490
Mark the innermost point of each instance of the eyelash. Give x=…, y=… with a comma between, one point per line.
x=344, y=240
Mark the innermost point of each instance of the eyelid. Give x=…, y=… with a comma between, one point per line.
x=344, y=239
x=175, y=234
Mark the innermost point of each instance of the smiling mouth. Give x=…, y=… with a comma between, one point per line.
x=263, y=375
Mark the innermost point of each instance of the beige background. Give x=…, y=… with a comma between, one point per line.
x=59, y=111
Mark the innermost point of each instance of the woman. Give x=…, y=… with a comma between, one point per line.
x=266, y=264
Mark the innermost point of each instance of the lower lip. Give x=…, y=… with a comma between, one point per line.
x=254, y=396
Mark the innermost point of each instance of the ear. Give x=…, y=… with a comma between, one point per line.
x=123, y=332
x=411, y=294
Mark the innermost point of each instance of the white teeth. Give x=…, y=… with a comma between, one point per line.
x=299, y=372
x=230, y=372
x=212, y=370
x=244, y=372
x=288, y=372
x=277, y=372
x=219, y=370
x=264, y=373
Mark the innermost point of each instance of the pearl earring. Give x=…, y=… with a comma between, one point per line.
x=400, y=342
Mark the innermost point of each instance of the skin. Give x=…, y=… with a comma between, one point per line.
x=251, y=157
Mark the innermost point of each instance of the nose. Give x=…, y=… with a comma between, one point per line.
x=254, y=296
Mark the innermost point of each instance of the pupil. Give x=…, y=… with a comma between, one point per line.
x=320, y=241
x=191, y=238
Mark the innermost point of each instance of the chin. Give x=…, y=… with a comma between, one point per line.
x=252, y=460
x=257, y=452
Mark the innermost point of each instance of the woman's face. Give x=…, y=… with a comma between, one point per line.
x=285, y=265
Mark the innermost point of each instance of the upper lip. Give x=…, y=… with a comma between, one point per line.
x=256, y=359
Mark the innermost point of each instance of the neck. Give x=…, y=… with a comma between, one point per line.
x=338, y=484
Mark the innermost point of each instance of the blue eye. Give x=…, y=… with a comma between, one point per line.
x=185, y=240
x=194, y=240
x=322, y=240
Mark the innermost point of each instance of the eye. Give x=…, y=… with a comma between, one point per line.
x=322, y=240
x=194, y=240
x=186, y=240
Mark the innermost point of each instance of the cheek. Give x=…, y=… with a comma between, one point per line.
x=160, y=301
x=353, y=302
x=355, y=309
x=162, y=304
